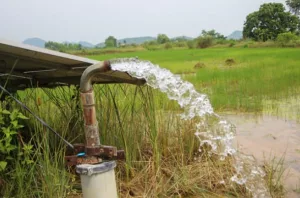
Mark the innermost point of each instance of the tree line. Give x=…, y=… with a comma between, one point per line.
x=270, y=22
x=63, y=47
x=205, y=39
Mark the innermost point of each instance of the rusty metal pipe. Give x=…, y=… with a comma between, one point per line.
x=88, y=103
x=97, y=180
x=87, y=75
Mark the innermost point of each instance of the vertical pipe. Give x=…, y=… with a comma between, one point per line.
x=88, y=102
x=91, y=129
x=97, y=181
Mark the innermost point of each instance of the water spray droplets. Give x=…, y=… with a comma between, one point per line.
x=211, y=130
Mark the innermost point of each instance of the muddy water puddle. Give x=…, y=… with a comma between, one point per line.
x=266, y=137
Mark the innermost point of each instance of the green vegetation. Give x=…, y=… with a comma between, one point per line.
x=242, y=84
x=62, y=47
x=287, y=39
x=136, y=40
x=111, y=42
x=34, y=157
x=162, y=38
x=269, y=21
x=204, y=41
x=10, y=124
x=213, y=34
x=294, y=6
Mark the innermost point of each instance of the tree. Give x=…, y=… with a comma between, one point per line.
x=111, y=42
x=213, y=34
x=294, y=6
x=162, y=38
x=269, y=21
x=63, y=47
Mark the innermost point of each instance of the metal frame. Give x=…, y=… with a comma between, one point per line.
x=38, y=67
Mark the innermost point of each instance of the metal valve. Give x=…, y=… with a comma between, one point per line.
x=93, y=155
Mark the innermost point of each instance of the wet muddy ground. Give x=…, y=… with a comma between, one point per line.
x=267, y=137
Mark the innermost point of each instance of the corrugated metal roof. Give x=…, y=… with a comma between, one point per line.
x=27, y=66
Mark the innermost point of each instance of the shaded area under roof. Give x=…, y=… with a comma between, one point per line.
x=24, y=66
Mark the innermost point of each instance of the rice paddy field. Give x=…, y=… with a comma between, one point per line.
x=162, y=152
x=235, y=79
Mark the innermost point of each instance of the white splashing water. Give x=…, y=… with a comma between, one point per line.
x=212, y=130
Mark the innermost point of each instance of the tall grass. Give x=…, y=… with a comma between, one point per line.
x=160, y=148
x=162, y=158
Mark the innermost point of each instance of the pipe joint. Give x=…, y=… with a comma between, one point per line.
x=90, y=72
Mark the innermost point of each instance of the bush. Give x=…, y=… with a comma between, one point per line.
x=168, y=45
x=204, y=41
x=286, y=39
x=12, y=147
x=180, y=44
x=191, y=44
x=134, y=45
x=221, y=41
x=232, y=44
x=152, y=47
x=150, y=43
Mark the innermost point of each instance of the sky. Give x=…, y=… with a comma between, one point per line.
x=95, y=20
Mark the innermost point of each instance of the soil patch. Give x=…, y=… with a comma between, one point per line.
x=199, y=65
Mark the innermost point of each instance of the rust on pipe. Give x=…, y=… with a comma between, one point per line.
x=88, y=103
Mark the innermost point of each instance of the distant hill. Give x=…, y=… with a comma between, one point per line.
x=37, y=42
x=236, y=35
x=86, y=44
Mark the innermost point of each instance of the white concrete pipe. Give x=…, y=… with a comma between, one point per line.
x=98, y=181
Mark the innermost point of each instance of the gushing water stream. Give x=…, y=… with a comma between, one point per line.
x=212, y=129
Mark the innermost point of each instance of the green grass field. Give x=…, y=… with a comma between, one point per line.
x=257, y=74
